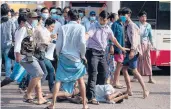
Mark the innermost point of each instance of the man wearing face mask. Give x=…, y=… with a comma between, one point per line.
x=92, y=20
x=118, y=31
x=132, y=41
x=98, y=35
x=44, y=14
x=84, y=19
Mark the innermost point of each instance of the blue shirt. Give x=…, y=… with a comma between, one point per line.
x=72, y=43
x=7, y=32
x=118, y=31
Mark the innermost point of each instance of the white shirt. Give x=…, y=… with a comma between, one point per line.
x=101, y=91
x=72, y=42
x=20, y=34
x=58, y=28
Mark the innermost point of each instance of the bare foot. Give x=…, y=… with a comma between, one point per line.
x=85, y=107
x=129, y=92
x=145, y=94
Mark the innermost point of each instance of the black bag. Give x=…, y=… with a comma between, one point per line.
x=11, y=53
x=28, y=46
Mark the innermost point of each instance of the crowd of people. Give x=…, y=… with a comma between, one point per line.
x=64, y=45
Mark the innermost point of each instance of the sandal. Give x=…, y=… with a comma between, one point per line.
x=93, y=101
x=46, y=102
x=28, y=100
x=48, y=108
x=76, y=99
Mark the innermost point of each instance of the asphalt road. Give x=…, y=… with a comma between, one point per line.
x=159, y=97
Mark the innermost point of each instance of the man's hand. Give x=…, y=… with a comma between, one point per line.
x=131, y=54
x=54, y=36
x=84, y=60
x=125, y=49
x=18, y=57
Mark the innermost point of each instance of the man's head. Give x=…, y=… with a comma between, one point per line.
x=142, y=16
x=4, y=9
x=45, y=13
x=73, y=15
x=65, y=11
x=55, y=13
x=92, y=16
x=32, y=19
x=126, y=12
x=103, y=17
x=22, y=19
x=22, y=11
x=113, y=17
x=50, y=24
x=81, y=12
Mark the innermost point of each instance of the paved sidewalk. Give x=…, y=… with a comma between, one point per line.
x=159, y=97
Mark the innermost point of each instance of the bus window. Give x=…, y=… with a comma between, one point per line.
x=163, y=16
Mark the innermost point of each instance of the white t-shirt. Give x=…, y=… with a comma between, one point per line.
x=102, y=90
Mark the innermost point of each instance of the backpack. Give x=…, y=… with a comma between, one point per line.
x=28, y=45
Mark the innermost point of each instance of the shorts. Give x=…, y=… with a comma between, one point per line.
x=33, y=68
x=131, y=63
x=119, y=57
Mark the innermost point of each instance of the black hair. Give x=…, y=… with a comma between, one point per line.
x=59, y=10
x=104, y=14
x=52, y=8
x=4, y=9
x=73, y=14
x=142, y=13
x=27, y=9
x=12, y=12
x=112, y=16
x=22, y=17
x=49, y=21
x=66, y=8
x=126, y=10
x=39, y=18
x=44, y=9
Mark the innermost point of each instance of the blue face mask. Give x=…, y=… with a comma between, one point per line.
x=34, y=23
x=92, y=18
x=45, y=15
x=54, y=16
x=123, y=19
x=101, y=26
x=81, y=14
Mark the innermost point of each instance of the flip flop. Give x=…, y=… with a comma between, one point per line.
x=28, y=100
x=48, y=108
x=46, y=102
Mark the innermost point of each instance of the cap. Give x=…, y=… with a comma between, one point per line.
x=53, y=11
x=92, y=13
x=81, y=10
x=32, y=15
